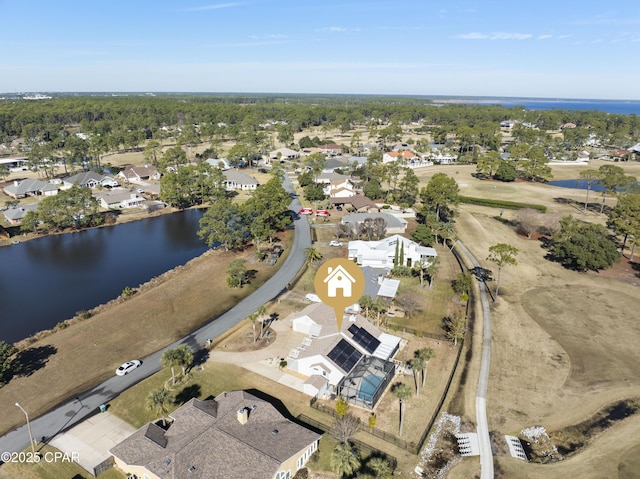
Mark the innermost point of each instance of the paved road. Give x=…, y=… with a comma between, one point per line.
x=486, y=455
x=87, y=403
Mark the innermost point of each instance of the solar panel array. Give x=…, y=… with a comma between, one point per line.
x=344, y=355
x=364, y=338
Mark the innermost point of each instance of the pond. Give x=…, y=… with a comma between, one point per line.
x=575, y=184
x=47, y=280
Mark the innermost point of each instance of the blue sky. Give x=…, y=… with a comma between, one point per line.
x=559, y=49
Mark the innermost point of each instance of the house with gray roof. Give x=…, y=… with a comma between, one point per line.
x=140, y=174
x=30, y=187
x=89, y=179
x=234, y=435
x=119, y=199
x=237, y=180
x=394, y=224
x=15, y=214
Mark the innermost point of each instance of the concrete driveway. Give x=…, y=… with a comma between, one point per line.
x=92, y=438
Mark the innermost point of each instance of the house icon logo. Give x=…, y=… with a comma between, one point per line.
x=339, y=283
x=338, y=278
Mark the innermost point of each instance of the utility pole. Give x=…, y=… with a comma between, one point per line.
x=33, y=448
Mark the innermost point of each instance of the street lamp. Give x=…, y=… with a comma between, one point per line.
x=33, y=448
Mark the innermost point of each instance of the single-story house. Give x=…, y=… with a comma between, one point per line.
x=120, y=199
x=15, y=214
x=358, y=202
x=404, y=155
x=333, y=164
x=394, y=224
x=30, y=187
x=382, y=254
x=221, y=163
x=237, y=180
x=140, y=174
x=327, y=178
x=234, y=435
x=89, y=179
x=331, y=149
x=284, y=154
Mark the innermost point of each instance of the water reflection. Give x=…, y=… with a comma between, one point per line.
x=48, y=280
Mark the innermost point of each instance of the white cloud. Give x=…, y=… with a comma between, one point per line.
x=472, y=36
x=544, y=37
x=333, y=29
x=215, y=6
x=494, y=36
x=269, y=36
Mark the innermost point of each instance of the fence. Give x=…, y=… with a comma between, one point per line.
x=361, y=446
x=385, y=436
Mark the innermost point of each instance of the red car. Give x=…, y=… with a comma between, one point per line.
x=306, y=211
x=322, y=213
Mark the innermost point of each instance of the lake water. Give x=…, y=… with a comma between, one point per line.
x=575, y=184
x=49, y=279
x=621, y=107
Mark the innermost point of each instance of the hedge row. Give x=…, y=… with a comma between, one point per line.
x=508, y=205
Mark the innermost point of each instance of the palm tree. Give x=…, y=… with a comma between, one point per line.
x=158, y=402
x=380, y=467
x=418, y=365
x=426, y=354
x=312, y=254
x=253, y=317
x=170, y=359
x=344, y=460
x=402, y=392
x=261, y=311
x=184, y=357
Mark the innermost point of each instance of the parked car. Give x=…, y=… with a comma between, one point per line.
x=127, y=367
x=335, y=243
x=306, y=211
x=322, y=213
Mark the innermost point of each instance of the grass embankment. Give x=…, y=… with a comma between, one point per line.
x=89, y=351
x=48, y=468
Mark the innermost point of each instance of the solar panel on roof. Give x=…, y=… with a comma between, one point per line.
x=344, y=355
x=365, y=339
x=353, y=329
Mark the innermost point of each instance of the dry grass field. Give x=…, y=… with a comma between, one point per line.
x=564, y=343
x=90, y=350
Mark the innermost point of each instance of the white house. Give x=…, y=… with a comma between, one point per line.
x=342, y=188
x=30, y=187
x=140, y=174
x=119, y=199
x=382, y=254
x=327, y=355
x=284, y=154
x=221, y=163
x=236, y=180
x=89, y=179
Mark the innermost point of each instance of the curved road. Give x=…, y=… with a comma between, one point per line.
x=87, y=403
x=484, y=442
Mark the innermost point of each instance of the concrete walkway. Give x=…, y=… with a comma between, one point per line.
x=266, y=361
x=484, y=442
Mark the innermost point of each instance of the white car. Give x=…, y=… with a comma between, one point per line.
x=335, y=243
x=127, y=367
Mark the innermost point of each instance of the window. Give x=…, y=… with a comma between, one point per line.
x=283, y=475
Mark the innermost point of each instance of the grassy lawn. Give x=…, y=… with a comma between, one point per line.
x=51, y=470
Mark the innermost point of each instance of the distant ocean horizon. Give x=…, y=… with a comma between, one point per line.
x=620, y=107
